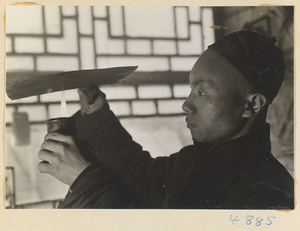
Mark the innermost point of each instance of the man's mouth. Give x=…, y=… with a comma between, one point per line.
x=188, y=123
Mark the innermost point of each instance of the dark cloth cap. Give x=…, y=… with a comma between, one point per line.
x=256, y=57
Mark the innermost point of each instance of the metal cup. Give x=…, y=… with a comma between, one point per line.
x=67, y=126
x=62, y=125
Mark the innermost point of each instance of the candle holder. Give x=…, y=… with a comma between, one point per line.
x=62, y=125
x=67, y=126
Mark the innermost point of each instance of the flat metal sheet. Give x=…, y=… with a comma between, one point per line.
x=66, y=80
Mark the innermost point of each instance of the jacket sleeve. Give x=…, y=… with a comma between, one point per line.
x=145, y=176
x=99, y=187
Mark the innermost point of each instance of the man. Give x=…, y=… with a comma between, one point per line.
x=230, y=165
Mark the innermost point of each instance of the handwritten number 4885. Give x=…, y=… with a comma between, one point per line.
x=257, y=221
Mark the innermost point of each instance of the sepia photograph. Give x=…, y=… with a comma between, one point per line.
x=168, y=107
x=139, y=109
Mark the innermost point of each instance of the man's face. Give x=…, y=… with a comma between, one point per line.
x=217, y=100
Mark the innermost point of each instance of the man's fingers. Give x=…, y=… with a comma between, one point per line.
x=57, y=143
x=55, y=136
x=91, y=99
x=84, y=102
x=93, y=93
x=45, y=167
x=83, y=97
x=47, y=156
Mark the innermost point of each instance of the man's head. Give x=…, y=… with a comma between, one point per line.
x=232, y=83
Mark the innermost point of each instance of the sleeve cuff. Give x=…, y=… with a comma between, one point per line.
x=88, y=124
x=82, y=174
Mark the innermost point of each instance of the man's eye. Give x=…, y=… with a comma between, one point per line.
x=199, y=93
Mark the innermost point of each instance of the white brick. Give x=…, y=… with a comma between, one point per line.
x=57, y=63
x=69, y=10
x=8, y=45
x=35, y=113
x=138, y=47
x=72, y=108
x=182, y=63
x=170, y=106
x=181, y=90
x=87, y=55
x=99, y=11
x=154, y=91
x=52, y=19
x=119, y=92
x=51, y=97
x=67, y=44
x=54, y=111
x=208, y=21
x=150, y=21
x=9, y=114
x=116, y=20
x=164, y=47
x=182, y=22
x=194, y=13
x=194, y=45
x=31, y=45
x=144, y=63
x=143, y=108
x=19, y=63
x=71, y=95
x=120, y=108
x=24, y=19
x=104, y=45
x=85, y=20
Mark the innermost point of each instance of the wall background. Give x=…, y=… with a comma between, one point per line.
x=163, y=41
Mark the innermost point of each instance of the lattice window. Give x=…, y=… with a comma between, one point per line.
x=164, y=41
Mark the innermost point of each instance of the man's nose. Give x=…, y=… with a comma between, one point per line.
x=187, y=106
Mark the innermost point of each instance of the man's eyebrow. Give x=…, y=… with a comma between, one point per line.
x=204, y=83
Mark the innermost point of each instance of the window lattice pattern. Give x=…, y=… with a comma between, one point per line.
x=53, y=39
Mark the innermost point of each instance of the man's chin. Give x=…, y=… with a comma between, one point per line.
x=197, y=138
x=203, y=140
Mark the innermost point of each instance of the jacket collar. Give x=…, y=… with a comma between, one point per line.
x=254, y=142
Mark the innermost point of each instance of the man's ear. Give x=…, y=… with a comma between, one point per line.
x=255, y=104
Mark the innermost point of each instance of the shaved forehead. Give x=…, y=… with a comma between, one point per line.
x=214, y=72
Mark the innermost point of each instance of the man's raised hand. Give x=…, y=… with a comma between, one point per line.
x=91, y=99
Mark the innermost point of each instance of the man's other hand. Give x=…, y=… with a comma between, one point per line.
x=91, y=99
x=61, y=158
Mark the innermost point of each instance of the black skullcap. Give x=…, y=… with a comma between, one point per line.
x=256, y=57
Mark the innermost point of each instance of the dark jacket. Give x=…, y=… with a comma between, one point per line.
x=239, y=174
